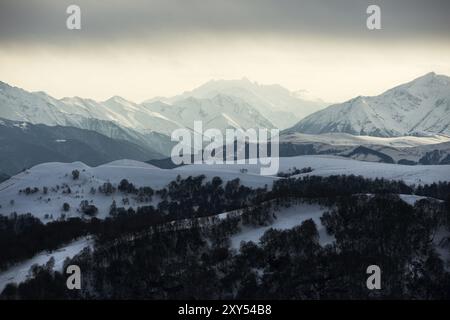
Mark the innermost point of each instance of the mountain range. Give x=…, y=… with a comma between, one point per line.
x=33, y=125
x=219, y=104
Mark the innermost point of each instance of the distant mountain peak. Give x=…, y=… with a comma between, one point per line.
x=427, y=79
x=274, y=102
x=117, y=99
x=428, y=75
x=430, y=84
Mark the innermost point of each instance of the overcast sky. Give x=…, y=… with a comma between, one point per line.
x=141, y=49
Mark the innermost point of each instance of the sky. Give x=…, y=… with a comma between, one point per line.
x=142, y=49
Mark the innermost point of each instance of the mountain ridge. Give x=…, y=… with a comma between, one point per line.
x=280, y=107
x=24, y=144
x=418, y=107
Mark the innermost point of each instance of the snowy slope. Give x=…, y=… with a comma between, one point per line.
x=421, y=106
x=115, y=118
x=18, y=104
x=53, y=175
x=287, y=218
x=153, y=140
x=20, y=272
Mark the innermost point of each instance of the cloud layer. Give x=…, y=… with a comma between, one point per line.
x=43, y=21
x=141, y=49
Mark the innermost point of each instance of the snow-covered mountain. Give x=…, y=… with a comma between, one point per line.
x=219, y=111
x=148, y=125
x=116, y=118
x=20, y=105
x=419, y=107
x=281, y=106
x=219, y=104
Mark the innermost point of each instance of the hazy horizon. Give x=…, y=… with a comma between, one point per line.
x=159, y=97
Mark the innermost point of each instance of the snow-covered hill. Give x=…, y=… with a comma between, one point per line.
x=287, y=218
x=57, y=179
x=20, y=272
x=419, y=107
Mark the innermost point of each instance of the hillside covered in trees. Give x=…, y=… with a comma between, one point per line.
x=181, y=249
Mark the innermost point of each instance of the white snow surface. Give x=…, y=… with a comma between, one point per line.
x=19, y=272
x=411, y=198
x=56, y=174
x=287, y=218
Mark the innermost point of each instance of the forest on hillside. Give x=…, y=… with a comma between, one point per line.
x=181, y=249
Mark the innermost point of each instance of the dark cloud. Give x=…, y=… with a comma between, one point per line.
x=43, y=21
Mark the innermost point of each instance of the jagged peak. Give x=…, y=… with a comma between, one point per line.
x=431, y=77
x=118, y=99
